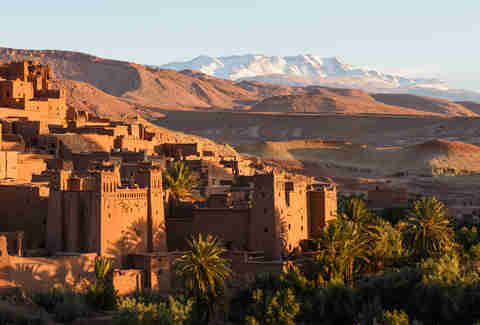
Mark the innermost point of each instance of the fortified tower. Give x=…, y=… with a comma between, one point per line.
x=279, y=219
x=96, y=210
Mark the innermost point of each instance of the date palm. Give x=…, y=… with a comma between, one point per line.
x=428, y=231
x=355, y=210
x=204, y=271
x=178, y=180
x=386, y=243
x=344, y=246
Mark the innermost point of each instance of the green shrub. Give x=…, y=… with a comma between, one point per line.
x=49, y=299
x=394, y=318
x=10, y=316
x=134, y=311
x=63, y=304
x=445, y=269
x=71, y=308
x=277, y=308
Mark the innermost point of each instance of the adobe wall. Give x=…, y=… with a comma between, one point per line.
x=279, y=218
x=322, y=207
x=13, y=142
x=72, y=223
x=179, y=230
x=130, y=143
x=156, y=269
x=40, y=274
x=8, y=164
x=14, y=242
x=86, y=142
x=264, y=226
x=217, y=174
x=123, y=222
x=29, y=130
x=28, y=165
x=178, y=149
x=229, y=225
x=291, y=206
x=24, y=208
x=128, y=281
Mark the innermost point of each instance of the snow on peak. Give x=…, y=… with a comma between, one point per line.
x=303, y=65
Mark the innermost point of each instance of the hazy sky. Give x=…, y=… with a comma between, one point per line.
x=428, y=38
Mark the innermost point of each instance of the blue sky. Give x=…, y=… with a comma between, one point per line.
x=422, y=37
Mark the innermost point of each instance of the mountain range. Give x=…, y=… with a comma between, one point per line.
x=114, y=88
x=308, y=70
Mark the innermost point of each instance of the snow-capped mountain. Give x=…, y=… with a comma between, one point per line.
x=303, y=69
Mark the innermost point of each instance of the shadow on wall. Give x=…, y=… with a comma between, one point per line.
x=39, y=274
x=134, y=240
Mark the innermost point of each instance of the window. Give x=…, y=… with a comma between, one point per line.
x=265, y=210
x=289, y=227
x=301, y=228
x=265, y=230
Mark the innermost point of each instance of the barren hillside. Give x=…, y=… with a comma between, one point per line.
x=473, y=106
x=426, y=104
x=434, y=157
x=351, y=101
x=112, y=87
x=87, y=97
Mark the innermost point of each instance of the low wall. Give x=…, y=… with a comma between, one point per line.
x=39, y=274
x=128, y=281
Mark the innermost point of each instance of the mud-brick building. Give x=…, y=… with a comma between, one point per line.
x=95, y=211
x=280, y=212
x=25, y=90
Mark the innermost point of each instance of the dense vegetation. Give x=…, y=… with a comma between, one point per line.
x=365, y=270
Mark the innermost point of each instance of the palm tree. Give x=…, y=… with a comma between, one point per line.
x=178, y=181
x=343, y=247
x=355, y=210
x=204, y=271
x=386, y=243
x=427, y=231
